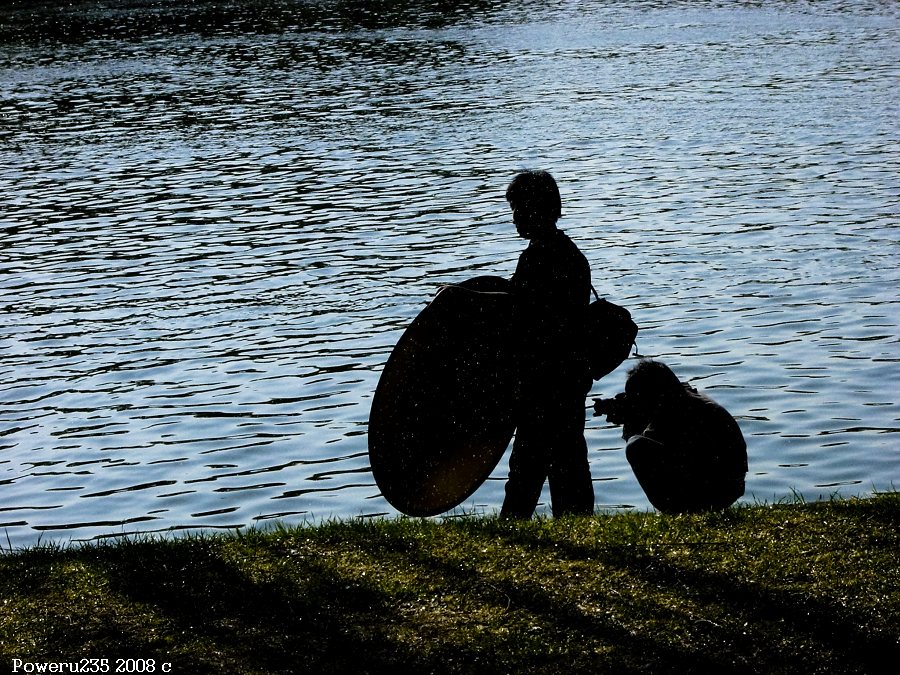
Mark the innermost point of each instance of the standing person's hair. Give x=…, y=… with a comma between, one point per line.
x=538, y=190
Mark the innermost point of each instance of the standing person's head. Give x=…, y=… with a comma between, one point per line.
x=651, y=384
x=534, y=199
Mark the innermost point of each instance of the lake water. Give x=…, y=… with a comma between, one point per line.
x=216, y=222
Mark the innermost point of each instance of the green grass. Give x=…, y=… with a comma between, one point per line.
x=789, y=588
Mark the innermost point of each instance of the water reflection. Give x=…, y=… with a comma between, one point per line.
x=218, y=222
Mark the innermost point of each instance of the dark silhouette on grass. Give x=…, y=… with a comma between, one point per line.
x=687, y=451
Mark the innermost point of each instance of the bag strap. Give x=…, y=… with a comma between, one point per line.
x=596, y=296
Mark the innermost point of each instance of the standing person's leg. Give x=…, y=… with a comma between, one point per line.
x=529, y=461
x=571, y=488
x=528, y=465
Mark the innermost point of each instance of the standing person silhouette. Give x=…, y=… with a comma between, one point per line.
x=552, y=291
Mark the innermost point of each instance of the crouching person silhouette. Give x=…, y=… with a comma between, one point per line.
x=686, y=451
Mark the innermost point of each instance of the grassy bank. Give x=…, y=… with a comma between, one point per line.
x=798, y=588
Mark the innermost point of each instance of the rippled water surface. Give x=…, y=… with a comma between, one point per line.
x=216, y=222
